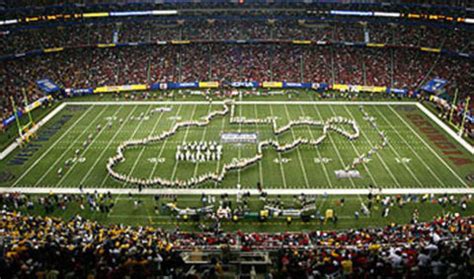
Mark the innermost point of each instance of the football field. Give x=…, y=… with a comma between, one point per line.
x=72, y=150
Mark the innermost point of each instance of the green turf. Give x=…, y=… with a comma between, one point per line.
x=424, y=169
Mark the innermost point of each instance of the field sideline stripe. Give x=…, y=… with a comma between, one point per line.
x=234, y=191
x=51, y=147
x=132, y=103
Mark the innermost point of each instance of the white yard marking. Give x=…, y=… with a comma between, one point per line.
x=395, y=151
x=279, y=157
x=339, y=156
x=239, y=146
x=119, y=130
x=143, y=147
x=305, y=175
x=317, y=150
x=185, y=137
x=202, y=139
x=51, y=147
x=162, y=148
x=69, y=147
x=334, y=146
x=84, y=152
x=377, y=153
x=431, y=149
x=218, y=161
x=133, y=167
x=260, y=172
x=357, y=153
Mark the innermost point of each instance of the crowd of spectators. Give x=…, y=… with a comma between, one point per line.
x=47, y=246
x=93, y=67
x=17, y=40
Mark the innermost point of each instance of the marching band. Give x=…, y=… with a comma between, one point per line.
x=212, y=151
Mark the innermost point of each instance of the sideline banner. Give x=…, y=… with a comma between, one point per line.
x=209, y=84
x=272, y=84
x=48, y=86
x=120, y=88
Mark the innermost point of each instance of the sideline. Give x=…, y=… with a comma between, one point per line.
x=234, y=191
x=344, y=103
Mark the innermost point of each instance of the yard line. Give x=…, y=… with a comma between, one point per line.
x=70, y=146
x=395, y=151
x=143, y=147
x=218, y=161
x=279, y=158
x=305, y=175
x=131, y=137
x=84, y=151
x=317, y=150
x=185, y=137
x=202, y=139
x=357, y=153
x=377, y=153
x=334, y=146
x=338, y=154
x=119, y=130
x=164, y=143
x=110, y=142
x=260, y=173
x=51, y=147
x=239, y=145
x=419, y=157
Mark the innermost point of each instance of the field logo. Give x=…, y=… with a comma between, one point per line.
x=239, y=137
x=403, y=160
x=347, y=174
x=281, y=161
x=75, y=160
x=322, y=160
x=156, y=160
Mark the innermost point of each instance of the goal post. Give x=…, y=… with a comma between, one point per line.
x=28, y=130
